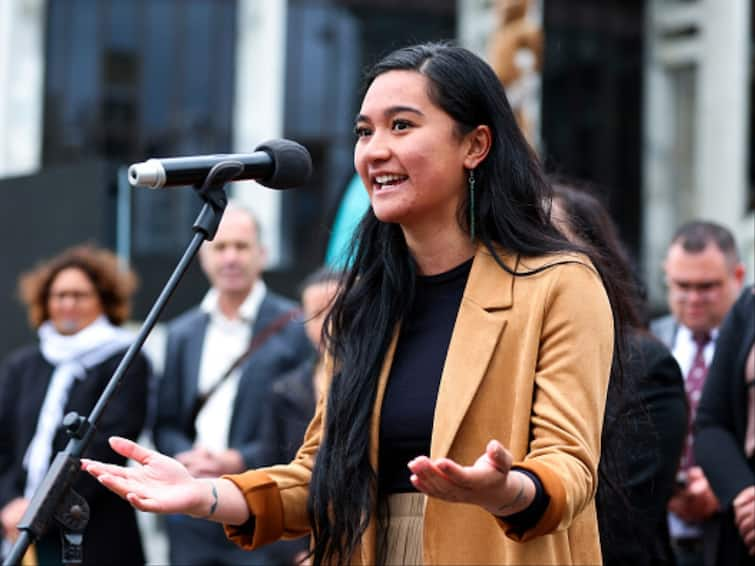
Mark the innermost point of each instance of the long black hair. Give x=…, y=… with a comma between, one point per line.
x=589, y=221
x=511, y=210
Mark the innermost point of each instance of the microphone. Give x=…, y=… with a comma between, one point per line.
x=277, y=164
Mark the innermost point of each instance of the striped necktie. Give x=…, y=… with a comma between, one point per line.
x=694, y=386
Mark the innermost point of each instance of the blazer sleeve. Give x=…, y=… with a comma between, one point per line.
x=277, y=496
x=169, y=433
x=718, y=448
x=571, y=380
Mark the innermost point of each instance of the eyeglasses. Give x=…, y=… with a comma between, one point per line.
x=682, y=289
x=75, y=296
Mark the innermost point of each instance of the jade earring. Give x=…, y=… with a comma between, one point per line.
x=471, y=183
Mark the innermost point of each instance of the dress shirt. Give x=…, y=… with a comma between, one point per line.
x=225, y=340
x=684, y=350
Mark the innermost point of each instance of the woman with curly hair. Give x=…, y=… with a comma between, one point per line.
x=76, y=302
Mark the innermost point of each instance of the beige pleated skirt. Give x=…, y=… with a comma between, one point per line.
x=403, y=539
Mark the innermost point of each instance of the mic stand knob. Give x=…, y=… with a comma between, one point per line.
x=72, y=515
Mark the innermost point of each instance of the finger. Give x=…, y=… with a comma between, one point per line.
x=115, y=484
x=147, y=504
x=99, y=468
x=455, y=473
x=129, y=449
x=748, y=537
x=431, y=489
x=745, y=497
x=499, y=457
x=432, y=479
x=745, y=522
x=695, y=472
x=479, y=476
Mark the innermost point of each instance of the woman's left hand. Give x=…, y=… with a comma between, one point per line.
x=489, y=482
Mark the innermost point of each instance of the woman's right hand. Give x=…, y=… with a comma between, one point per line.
x=159, y=484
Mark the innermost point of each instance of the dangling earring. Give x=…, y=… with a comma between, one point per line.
x=471, y=182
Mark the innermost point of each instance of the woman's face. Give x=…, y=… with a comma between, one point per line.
x=408, y=154
x=73, y=302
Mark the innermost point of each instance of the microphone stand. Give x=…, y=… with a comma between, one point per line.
x=55, y=498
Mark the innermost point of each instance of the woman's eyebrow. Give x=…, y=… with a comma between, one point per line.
x=391, y=111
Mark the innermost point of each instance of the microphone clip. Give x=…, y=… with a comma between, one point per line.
x=212, y=192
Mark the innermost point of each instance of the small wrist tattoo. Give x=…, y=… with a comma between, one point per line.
x=517, y=497
x=214, y=505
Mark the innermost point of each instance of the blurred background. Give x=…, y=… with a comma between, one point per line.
x=648, y=100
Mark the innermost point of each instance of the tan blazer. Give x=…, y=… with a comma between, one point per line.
x=528, y=364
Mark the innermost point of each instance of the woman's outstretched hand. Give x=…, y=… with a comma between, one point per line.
x=489, y=482
x=159, y=484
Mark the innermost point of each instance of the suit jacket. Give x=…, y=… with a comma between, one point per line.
x=721, y=424
x=178, y=388
x=665, y=328
x=528, y=364
x=112, y=536
x=643, y=435
x=288, y=409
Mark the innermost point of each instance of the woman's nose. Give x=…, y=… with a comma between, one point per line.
x=378, y=147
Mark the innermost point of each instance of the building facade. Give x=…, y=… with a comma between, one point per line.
x=627, y=95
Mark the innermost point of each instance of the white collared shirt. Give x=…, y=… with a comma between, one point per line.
x=224, y=342
x=685, y=348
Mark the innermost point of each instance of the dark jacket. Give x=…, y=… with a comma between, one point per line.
x=289, y=408
x=721, y=423
x=643, y=436
x=112, y=536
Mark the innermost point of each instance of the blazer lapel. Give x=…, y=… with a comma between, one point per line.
x=474, y=339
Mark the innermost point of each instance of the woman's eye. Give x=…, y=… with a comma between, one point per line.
x=361, y=131
x=401, y=125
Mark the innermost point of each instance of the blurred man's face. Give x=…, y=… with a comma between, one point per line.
x=234, y=259
x=702, y=286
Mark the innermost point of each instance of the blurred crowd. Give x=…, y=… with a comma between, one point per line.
x=239, y=387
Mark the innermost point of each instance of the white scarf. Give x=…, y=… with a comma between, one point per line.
x=72, y=356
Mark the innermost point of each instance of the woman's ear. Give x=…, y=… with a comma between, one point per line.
x=478, y=145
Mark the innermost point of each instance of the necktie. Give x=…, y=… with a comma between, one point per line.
x=694, y=386
x=750, y=382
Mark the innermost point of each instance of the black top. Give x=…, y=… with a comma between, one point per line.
x=406, y=421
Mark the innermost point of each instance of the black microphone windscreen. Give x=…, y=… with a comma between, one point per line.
x=292, y=164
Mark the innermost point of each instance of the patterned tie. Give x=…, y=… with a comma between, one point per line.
x=694, y=386
x=750, y=383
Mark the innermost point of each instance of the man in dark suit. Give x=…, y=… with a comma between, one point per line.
x=704, y=275
x=221, y=358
